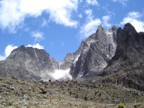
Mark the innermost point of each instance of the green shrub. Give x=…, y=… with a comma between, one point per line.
x=121, y=105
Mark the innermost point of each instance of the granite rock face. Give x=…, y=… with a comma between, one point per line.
x=130, y=49
x=28, y=63
x=127, y=65
x=96, y=51
x=112, y=56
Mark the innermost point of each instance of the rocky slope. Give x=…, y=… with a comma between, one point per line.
x=16, y=93
x=28, y=63
x=96, y=51
x=112, y=56
x=130, y=48
x=126, y=68
x=36, y=64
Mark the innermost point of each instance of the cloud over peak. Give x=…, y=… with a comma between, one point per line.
x=92, y=23
x=135, y=18
x=10, y=48
x=37, y=45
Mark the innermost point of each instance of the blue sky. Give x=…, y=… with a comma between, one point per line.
x=59, y=26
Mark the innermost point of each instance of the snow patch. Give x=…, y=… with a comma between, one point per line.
x=61, y=74
x=76, y=59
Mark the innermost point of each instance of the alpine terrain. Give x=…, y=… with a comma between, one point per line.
x=107, y=69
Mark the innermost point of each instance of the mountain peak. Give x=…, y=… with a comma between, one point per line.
x=114, y=28
x=101, y=28
x=129, y=27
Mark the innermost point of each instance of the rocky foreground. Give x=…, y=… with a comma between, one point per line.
x=16, y=93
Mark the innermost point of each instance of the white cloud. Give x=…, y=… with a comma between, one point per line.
x=135, y=19
x=14, y=12
x=92, y=2
x=37, y=45
x=2, y=57
x=37, y=35
x=89, y=28
x=135, y=14
x=105, y=21
x=9, y=49
x=89, y=14
x=92, y=23
x=123, y=2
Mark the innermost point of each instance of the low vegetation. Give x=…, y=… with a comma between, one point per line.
x=16, y=93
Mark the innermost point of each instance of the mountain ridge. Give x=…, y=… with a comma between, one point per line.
x=112, y=56
x=126, y=66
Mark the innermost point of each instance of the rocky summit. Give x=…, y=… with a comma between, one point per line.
x=28, y=63
x=127, y=65
x=96, y=51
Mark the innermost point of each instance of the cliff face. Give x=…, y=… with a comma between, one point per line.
x=127, y=65
x=28, y=63
x=96, y=51
x=129, y=51
x=112, y=56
